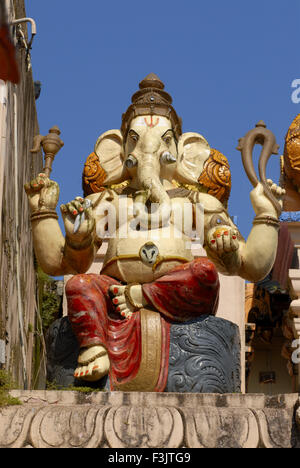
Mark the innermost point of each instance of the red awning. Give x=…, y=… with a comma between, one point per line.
x=8, y=66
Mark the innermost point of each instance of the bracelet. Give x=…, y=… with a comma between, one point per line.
x=88, y=361
x=269, y=220
x=83, y=245
x=129, y=298
x=43, y=214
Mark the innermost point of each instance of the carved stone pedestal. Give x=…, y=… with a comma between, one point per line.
x=64, y=419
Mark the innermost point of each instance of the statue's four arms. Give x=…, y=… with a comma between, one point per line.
x=150, y=163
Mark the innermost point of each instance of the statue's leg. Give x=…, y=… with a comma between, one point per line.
x=88, y=309
x=188, y=291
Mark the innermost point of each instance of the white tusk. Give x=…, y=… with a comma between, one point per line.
x=131, y=161
x=167, y=158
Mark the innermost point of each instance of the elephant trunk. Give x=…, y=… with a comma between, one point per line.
x=154, y=202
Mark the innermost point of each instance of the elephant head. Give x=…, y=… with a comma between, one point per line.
x=150, y=150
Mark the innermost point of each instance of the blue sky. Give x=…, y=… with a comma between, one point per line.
x=226, y=64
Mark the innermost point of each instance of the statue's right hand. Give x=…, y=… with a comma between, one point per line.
x=78, y=219
x=42, y=193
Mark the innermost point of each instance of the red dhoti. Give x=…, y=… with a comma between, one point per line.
x=186, y=292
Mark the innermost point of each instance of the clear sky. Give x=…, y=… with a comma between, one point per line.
x=227, y=64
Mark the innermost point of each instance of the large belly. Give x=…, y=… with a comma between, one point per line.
x=147, y=256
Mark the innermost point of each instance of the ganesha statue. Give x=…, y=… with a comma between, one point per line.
x=150, y=191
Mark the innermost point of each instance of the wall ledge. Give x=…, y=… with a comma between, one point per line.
x=68, y=419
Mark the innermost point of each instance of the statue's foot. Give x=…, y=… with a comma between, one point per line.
x=120, y=300
x=127, y=299
x=93, y=364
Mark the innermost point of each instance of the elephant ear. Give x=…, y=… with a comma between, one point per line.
x=193, y=151
x=109, y=149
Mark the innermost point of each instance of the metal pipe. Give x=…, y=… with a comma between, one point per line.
x=33, y=27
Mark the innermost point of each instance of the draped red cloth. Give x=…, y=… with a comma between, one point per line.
x=8, y=65
x=284, y=256
x=94, y=321
x=186, y=292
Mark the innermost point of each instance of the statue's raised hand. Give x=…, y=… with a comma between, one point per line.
x=42, y=193
x=79, y=221
x=262, y=205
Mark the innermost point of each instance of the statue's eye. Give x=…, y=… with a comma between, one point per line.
x=133, y=136
x=167, y=139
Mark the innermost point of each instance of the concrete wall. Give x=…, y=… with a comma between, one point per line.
x=268, y=358
x=18, y=125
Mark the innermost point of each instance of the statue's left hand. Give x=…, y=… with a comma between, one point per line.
x=261, y=203
x=222, y=240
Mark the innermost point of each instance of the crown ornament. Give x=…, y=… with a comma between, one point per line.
x=151, y=99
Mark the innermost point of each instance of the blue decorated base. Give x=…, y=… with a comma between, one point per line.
x=204, y=357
